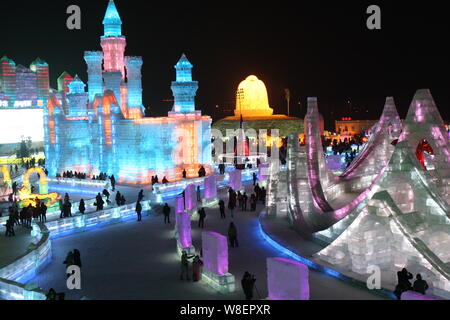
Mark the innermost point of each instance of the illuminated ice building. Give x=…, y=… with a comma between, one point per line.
x=23, y=94
x=105, y=130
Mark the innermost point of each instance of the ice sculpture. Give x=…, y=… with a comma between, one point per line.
x=215, y=257
x=287, y=279
x=314, y=200
x=405, y=224
x=184, y=89
x=190, y=198
x=263, y=172
x=179, y=205
x=5, y=184
x=235, y=177
x=107, y=132
x=184, y=243
x=210, y=194
x=252, y=99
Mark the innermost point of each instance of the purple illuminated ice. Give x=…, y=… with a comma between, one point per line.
x=287, y=279
x=235, y=179
x=263, y=172
x=190, y=197
x=184, y=229
x=215, y=252
x=179, y=205
x=210, y=187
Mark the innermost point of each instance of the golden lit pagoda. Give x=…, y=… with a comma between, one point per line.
x=252, y=99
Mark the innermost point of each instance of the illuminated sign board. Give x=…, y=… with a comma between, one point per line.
x=18, y=104
x=15, y=123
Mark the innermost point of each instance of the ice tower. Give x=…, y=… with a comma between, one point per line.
x=184, y=89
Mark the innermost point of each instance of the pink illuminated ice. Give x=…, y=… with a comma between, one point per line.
x=215, y=252
x=235, y=179
x=184, y=229
x=210, y=187
x=287, y=279
x=190, y=197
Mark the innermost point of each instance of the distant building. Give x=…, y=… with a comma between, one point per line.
x=350, y=127
x=23, y=94
x=252, y=104
x=22, y=87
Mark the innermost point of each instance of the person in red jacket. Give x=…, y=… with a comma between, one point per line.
x=197, y=264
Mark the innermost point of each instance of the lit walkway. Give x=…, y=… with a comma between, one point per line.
x=137, y=261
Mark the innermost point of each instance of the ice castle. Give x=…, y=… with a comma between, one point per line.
x=105, y=130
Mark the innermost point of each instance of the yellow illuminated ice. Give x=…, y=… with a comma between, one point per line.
x=252, y=99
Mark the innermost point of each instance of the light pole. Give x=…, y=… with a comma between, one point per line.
x=240, y=96
x=288, y=100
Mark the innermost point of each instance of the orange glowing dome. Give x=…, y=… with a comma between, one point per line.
x=252, y=99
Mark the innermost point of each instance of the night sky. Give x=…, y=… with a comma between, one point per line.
x=322, y=49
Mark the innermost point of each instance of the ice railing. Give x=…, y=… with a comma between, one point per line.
x=173, y=189
x=104, y=184
x=89, y=204
x=97, y=218
x=25, y=267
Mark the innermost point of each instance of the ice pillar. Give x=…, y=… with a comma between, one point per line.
x=184, y=233
x=179, y=205
x=210, y=194
x=263, y=172
x=210, y=187
x=287, y=279
x=215, y=257
x=190, y=197
x=236, y=179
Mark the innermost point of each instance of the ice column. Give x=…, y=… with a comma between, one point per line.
x=184, y=233
x=287, y=279
x=179, y=205
x=210, y=194
x=263, y=172
x=190, y=198
x=236, y=179
x=215, y=257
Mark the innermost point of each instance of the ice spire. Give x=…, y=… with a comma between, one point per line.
x=184, y=69
x=112, y=22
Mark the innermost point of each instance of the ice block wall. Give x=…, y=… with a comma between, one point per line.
x=184, y=229
x=235, y=179
x=190, y=197
x=210, y=187
x=287, y=279
x=215, y=252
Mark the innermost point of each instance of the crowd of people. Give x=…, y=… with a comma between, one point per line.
x=24, y=217
x=83, y=176
x=404, y=283
x=341, y=147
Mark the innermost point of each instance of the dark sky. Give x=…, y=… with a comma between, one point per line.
x=314, y=48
